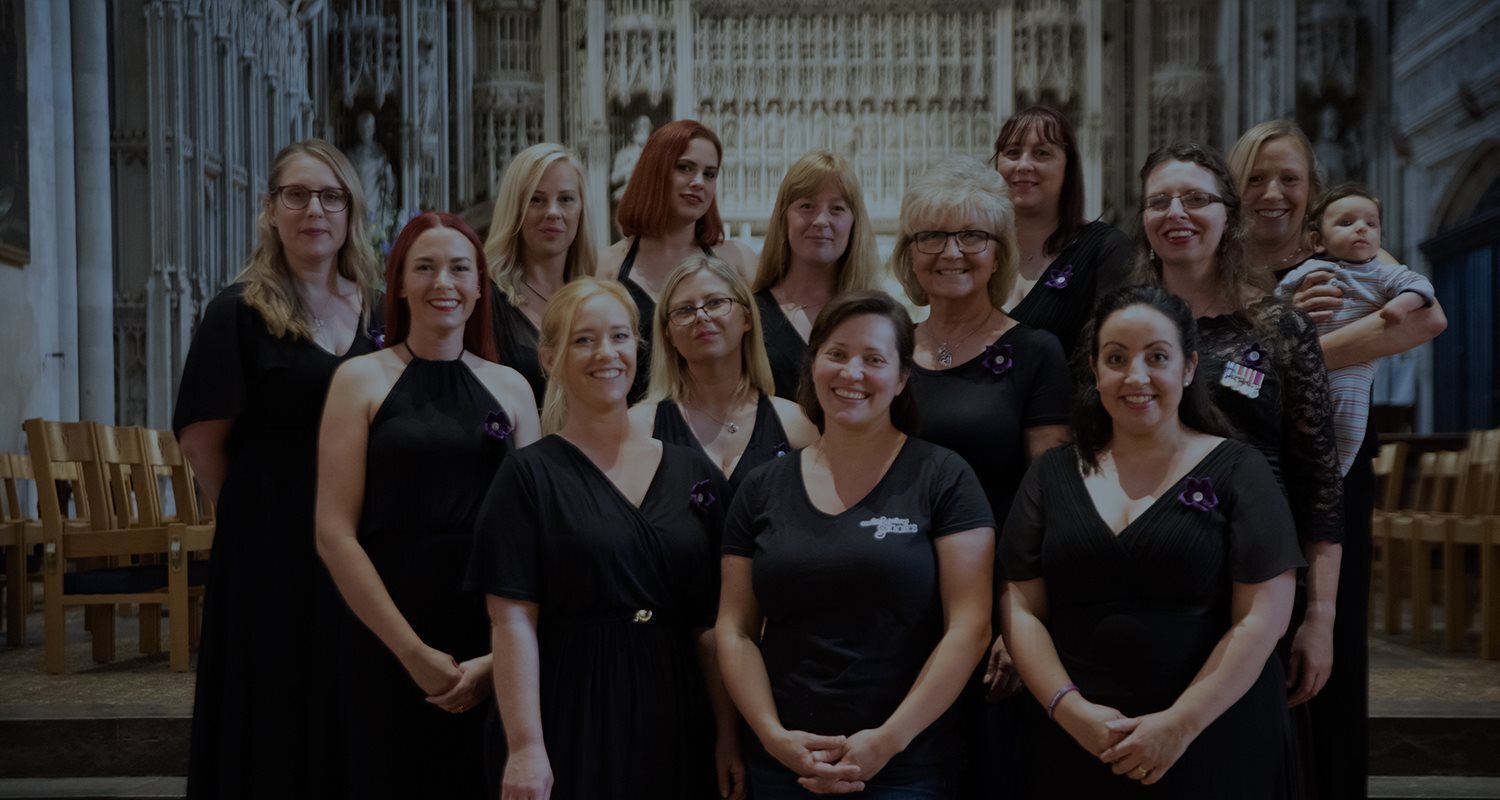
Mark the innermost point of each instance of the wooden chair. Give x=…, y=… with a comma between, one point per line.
x=100, y=536
x=165, y=457
x=1451, y=531
x=1406, y=553
x=1390, y=475
x=1489, y=591
x=19, y=533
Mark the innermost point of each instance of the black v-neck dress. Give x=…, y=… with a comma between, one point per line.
x=265, y=719
x=515, y=340
x=647, y=307
x=431, y=455
x=621, y=590
x=1095, y=263
x=785, y=347
x=767, y=438
x=1134, y=616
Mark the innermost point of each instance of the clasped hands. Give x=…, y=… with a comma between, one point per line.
x=833, y=764
x=1140, y=748
x=450, y=685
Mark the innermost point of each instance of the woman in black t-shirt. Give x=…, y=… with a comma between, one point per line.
x=868, y=558
x=711, y=384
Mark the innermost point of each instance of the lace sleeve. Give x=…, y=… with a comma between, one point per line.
x=1310, y=464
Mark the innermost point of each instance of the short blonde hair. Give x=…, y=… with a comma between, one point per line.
x=557, y=323
x=503, y=250
x=269, y=286
x=971, y=187
x=858, y=267
x=1242, y=156
x=669, y=370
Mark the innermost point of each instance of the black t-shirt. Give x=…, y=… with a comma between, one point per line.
x=851, y=600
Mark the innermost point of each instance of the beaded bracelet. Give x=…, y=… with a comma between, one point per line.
x=1058, y=696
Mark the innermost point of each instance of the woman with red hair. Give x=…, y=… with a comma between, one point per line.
x=411, y=437
x=670, y=211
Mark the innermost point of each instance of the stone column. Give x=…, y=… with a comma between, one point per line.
x=551, y=69
x=66, y=214
x=96, y=374
x=684, y=93
x=1093, y=108
x=1005, y=63
x=596, y=153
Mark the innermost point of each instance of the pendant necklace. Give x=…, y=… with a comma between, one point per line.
x=945, y=353
x=544, y=298
x=730, y=426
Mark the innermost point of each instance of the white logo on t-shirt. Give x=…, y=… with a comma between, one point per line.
x=885, y=525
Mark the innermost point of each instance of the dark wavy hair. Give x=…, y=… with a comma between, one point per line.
x=479, y=337
x=839, y=310
x=1093, y=428
x=1051, y=126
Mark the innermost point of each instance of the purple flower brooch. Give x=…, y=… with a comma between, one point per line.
x=1058, y=277
x=377, y=335
x=997, y=358
x=700, y=496
x=497, y=426
x=1198, y=493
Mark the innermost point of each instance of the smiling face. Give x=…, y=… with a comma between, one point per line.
x=818, y=227
x=1275, y=193
x=708, y=338
x=695, y=179
x=953, y=274
x=552, y=213
x=440, y=280
x=598, y=363
x=1033, y=169
x=1180, y=236
x=1141, y=369
x=1350, y=229
x=309, y=236
x=856, y=373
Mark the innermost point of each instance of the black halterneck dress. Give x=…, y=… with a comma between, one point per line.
x=265, y=720
x=785, y=347
x=434, y=447
x=1096, y=262
x=622, y=590
x=1135, y=615
x=767, y=438
x=647, y=308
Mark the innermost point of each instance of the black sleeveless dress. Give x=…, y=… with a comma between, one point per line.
x=515, y=340
x=647, y=308
x=434, y=447
x=767, y=438
x=785, y=347
x=265, y=721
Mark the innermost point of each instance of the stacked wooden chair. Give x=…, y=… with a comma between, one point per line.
x=121, y=546
x=19, y=535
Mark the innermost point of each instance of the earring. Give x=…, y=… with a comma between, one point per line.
x=1153, y=254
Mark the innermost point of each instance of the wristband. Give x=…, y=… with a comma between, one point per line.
x=1058, y=696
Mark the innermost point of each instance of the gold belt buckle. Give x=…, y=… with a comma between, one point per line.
x=642, y=615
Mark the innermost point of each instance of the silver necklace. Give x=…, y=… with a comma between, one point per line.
x=945, y=353
x=730, y=426
x=316, y=318
x=544, y=298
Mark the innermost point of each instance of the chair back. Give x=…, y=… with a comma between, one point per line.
x=1390, y=474
x=134, y=501
x=13, y=469
x=165, y=457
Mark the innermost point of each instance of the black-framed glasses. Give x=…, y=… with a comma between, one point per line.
x=683, y=316
x=934, y=242
x=296, y=197
x=1191, y=201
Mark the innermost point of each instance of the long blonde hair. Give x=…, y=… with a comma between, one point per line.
x=270, y=288
x=969, y=186
x=669, y=370
x=504, y=249
x=552, y=340
x=858, y=268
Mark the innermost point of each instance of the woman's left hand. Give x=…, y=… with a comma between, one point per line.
x=729, y=765
x=1311, y=660
x=1152, y=744
x=870, y=750
x=473, y=686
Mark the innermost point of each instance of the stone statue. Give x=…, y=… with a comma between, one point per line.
x=626, y=159
x=375, y=175
x=1330, y=151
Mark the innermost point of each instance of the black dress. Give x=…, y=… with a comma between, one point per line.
x=647, y=307
x=434, y=447
x=1095, y=263
x=981, y=409
x=515, y=339
x=785, y=347
x=851, y=600
x=622, y=590
x=767, y=438
x=265, y=720
x=1135, y=615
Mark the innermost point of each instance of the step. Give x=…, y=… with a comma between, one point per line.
x=1427, y=787
x=111, y=743
x=141, y=788
x=1435, y=738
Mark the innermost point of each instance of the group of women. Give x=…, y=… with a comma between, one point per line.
x=681, y=521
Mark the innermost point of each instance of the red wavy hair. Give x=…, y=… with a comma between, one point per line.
x=479, y=336
x=647, y=200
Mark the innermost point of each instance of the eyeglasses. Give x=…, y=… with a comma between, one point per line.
x=934, y=242
x=683, y=316
x=296, y=197
x=1191, y=201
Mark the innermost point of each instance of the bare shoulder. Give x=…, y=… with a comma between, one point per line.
x=611, y=259
x=504, y=383
x=800, y=432
x=741, y=256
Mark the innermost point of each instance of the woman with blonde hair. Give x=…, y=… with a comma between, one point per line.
x=819, y=244
x=596, y=551
x=247, y=415
x=710, y=384
x=539, y=240
x=670, y=210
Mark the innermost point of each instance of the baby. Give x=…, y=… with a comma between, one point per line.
x=1345, y=227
